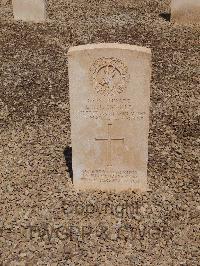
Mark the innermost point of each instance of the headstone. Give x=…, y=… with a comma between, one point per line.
x=29, y=10
x=109, y=106
x=185, y=11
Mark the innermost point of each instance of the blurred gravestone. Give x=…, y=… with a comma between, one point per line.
x=109, y=105
x=29, y=10
x=185, y=11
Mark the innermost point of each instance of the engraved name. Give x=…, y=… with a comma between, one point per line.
x=110, y=108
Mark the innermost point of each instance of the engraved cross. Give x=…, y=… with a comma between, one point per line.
x=109, y=140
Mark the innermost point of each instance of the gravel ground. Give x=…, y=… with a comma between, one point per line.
x=44, y=220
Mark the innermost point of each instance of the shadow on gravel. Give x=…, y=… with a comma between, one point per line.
x=165, y=16
x=68, y=159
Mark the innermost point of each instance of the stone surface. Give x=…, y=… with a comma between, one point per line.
x=185, y=11
x=29, y=10
x=109, y=103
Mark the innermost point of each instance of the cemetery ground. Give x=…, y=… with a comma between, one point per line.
x=43, y=219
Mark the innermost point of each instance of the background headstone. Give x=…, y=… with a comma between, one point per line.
x=185, y=11
x=109, y=105
x=29, y=10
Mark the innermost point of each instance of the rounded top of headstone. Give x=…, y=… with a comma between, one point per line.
x=109, y=46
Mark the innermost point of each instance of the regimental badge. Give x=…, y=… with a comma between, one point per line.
x=109, y=76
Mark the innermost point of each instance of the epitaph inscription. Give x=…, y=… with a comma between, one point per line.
x=109, y=107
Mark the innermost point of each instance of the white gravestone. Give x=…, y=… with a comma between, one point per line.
x=109, y=105
x=185, y=11
x=29, y=10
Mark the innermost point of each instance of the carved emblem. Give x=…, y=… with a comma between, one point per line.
x=109, y=141
x=109, y=75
